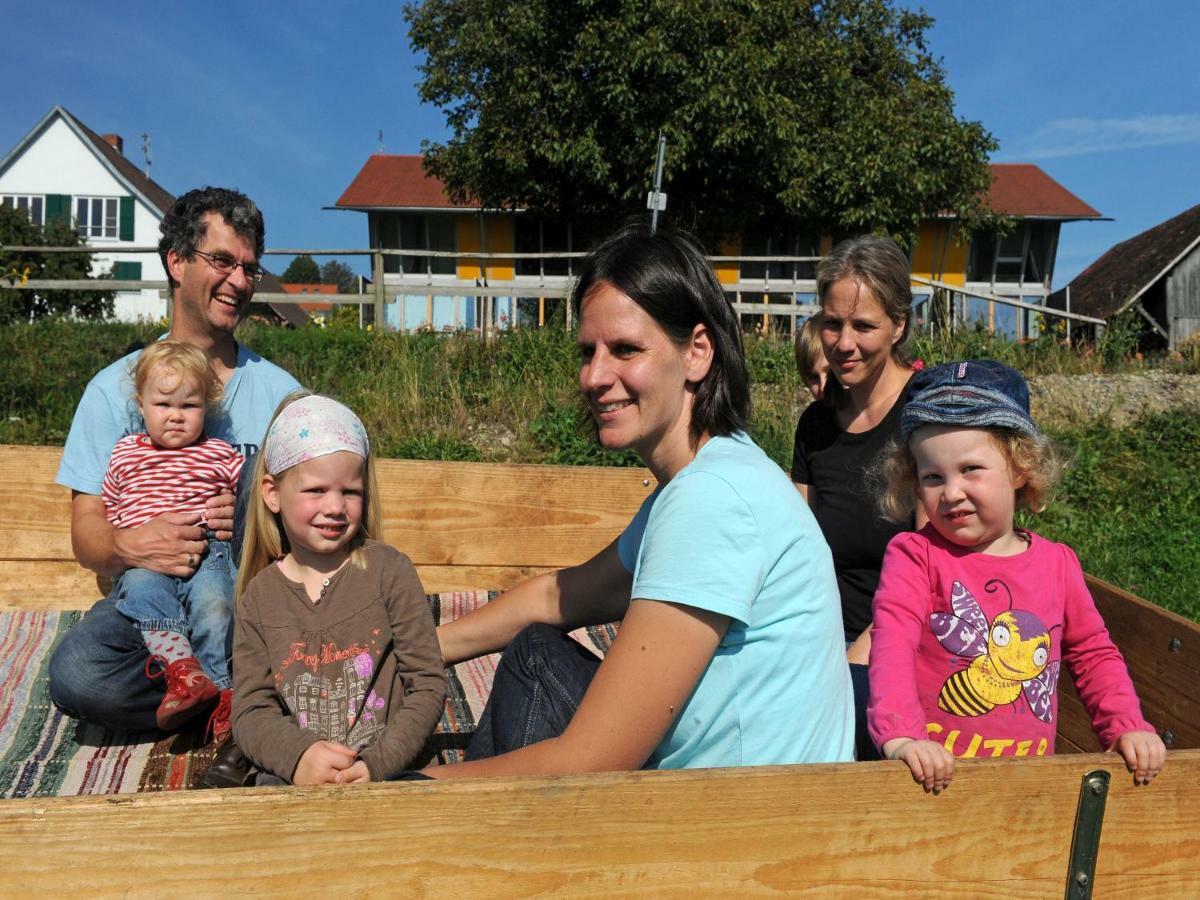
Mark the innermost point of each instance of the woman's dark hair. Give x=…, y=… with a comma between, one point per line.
x=666, y=274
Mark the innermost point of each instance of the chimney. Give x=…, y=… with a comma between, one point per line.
x=115, y=140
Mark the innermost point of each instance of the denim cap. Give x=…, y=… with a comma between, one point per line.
x=309, y=427
x=977, y=393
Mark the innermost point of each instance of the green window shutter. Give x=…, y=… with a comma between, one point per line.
x=58, y=206
x=127, y=271
x=126, y=232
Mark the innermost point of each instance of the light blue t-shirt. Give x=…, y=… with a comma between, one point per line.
x=107, y=413
x=731, y=534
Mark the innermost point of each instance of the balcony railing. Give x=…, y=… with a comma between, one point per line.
x=779, y=301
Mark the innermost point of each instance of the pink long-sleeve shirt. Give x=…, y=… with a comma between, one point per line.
x=966, y=649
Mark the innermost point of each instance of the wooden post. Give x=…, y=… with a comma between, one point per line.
x=380, y=291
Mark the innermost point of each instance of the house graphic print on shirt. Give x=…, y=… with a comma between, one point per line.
x=341, y=709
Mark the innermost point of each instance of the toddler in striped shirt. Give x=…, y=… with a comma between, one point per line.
x=186, y=619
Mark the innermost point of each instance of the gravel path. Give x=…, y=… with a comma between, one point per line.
x=1074, y=399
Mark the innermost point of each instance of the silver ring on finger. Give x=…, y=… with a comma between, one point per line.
x=191, y=562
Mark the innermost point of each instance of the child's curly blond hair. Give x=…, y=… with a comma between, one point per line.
x=1032, y=457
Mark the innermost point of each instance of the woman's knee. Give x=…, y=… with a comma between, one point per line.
x=531, y=649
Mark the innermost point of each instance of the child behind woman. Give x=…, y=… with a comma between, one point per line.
x=973, y=617
x=173, y=466
x=810, y=357
x=338, y=674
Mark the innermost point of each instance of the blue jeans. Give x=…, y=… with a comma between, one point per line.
x=864, y=747
x=200, y=607
x=98, y=672
x=539, y=683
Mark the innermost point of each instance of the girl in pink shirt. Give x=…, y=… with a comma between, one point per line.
x=974, y=617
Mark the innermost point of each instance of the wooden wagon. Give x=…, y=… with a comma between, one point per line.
x=1043, y=827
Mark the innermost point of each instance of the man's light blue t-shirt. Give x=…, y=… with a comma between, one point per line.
x=107, y=413
x=731, y=534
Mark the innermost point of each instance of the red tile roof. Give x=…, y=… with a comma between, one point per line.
x=390, y=181
x=399, y=182
x=306, y=288
x=1024, y=190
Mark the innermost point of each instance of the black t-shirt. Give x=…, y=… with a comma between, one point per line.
x=833, y=463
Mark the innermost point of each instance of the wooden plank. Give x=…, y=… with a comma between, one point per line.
x=439, y=513
x=438, y=579
x=1003, y=829
x=35, y=513
x=484, y=514
x=1162, y=651
x=63, y=584
x=1167, y=680
x=48, y=584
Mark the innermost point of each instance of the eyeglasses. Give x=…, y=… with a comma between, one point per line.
x=226, y=265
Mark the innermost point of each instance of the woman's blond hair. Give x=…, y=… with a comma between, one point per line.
x=265, y=540
x=181, y=359
x=1033, y=457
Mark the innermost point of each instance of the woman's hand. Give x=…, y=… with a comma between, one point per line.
x=1145, y=754
x=931, y=764
x=323, y=763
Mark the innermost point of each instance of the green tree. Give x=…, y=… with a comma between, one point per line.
x=20, y=266
x=831, y=113
x=302, y=270
x=336, y=272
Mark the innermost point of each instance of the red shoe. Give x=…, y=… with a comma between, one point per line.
x=189, y=690
x=219, y=726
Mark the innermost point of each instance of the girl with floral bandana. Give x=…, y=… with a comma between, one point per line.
x=337, y=671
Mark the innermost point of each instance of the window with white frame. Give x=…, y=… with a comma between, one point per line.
x=33, y=205
x=97, y=216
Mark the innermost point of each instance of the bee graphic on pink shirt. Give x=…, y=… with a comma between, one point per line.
x=1009, y=657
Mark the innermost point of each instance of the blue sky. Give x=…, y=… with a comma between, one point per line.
x=286, y=101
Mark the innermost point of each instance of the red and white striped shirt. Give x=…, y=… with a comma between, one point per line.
x=144, y=481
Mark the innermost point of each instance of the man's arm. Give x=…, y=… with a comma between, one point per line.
x=162, y=545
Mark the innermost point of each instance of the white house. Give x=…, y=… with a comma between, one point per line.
x=63, y=168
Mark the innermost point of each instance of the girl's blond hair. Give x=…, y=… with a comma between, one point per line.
x=809, y=350
x=265, y=541
x=1032, y=456
x=184, y=361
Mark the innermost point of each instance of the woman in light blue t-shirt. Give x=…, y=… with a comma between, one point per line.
x=730, y=648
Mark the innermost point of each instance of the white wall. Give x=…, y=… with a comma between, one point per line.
x=60, y=162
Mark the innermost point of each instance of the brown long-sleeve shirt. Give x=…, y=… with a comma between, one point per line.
x=361, y=667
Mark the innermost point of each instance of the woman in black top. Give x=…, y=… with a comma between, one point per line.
x=866, y=298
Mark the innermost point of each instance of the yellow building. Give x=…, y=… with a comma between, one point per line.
x=440, y=285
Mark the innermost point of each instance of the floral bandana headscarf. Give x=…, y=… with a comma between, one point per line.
x=310, y=427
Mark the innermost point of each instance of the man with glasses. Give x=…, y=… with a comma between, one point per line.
x=211, y=243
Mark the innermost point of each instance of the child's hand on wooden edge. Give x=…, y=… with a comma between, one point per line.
x=323, y=762
x=356, y=774
x=1145, y=754
x=931, y=764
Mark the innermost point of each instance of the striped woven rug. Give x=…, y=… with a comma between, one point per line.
x=44, y=753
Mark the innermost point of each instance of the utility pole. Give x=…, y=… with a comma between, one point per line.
x=656, y=200
x=146, y=150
